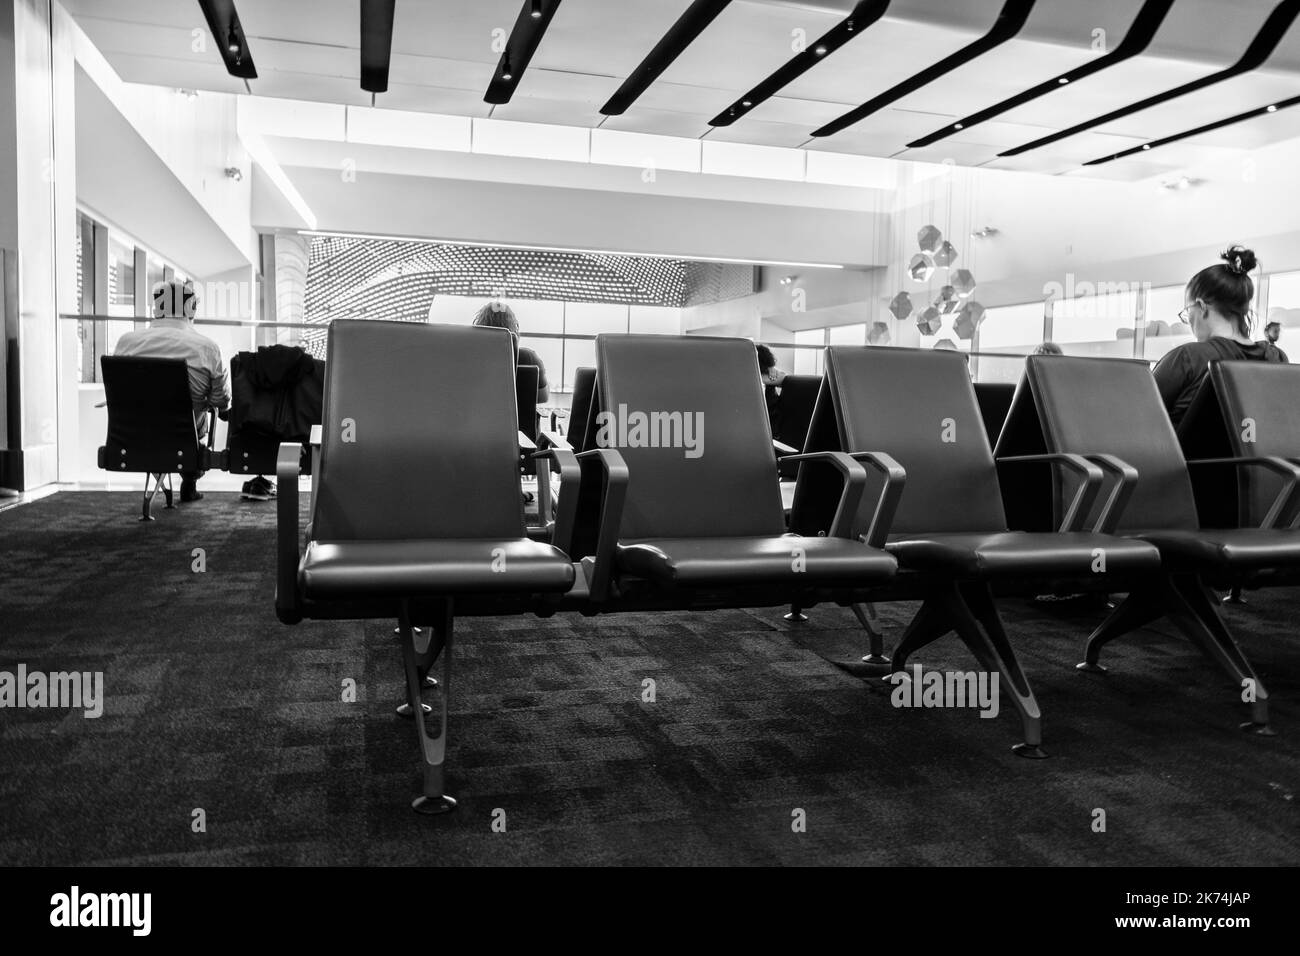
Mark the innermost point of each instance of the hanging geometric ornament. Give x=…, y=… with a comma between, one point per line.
x=963, y=282
x=947, y=300
x=901, y=306
x=968, y=320
x=946, y=255
x=879, y=334
x=929, y=239
x=929, y=321
x=948, y=344
x=921, y=267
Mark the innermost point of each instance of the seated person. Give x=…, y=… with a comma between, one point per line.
x=772, y=377
x=172, y=335
x=1217, y=307
x=1048, y=348
x=498, y=315
x=1273, y=332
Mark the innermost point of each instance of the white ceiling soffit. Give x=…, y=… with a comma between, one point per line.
x=443, y=60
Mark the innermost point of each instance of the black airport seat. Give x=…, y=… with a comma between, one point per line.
x=261, y=418
x=795, y=404
x=416, y=508
x=1110, y=411
x=151, y=423
x=950, y=532
x=584, y=387
x=995, y=402
x=680, y=451
x=526, y=379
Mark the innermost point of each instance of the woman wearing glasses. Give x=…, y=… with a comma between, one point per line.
x=1217, y=307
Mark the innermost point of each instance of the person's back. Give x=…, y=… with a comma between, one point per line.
x=1217, y=306
x=498, y=315
x=171, y=334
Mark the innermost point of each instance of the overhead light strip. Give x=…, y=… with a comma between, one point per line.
x=1207, y=128
x=228, y=34
x=1010, y=20
x=864, y=15
x=1265, y=42
x=1139, y=36
x=530, y=26
x=590, y=252
x=679, y=36
x=376, y=44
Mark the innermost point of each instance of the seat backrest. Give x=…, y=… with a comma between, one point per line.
x=918, y=406
x=688, y=416
x=526, y=378
x=150, y=415
x=1259, y=404
x=798, y=397
x=994, y=400
x=1112, y=406
x=400, y=458
x=584, y=386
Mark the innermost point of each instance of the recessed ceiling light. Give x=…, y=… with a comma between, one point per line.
x=746, y=103
x=1272, y=109
x=1063, y=80
x=1146, y=145
x=820, y=49
x=956, y=125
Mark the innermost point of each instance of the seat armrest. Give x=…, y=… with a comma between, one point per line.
x=526, y=444
x=316, y=436
x=855, y=483
x=613, y=495
x=783, y=449
x=570, y=480
x=1092, y=476
x=550, y=439
x=212, y=427
x=1284, y=505
x=1126, y=479
x=288, y=606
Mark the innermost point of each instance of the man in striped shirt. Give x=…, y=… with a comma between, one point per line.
x=171, y=334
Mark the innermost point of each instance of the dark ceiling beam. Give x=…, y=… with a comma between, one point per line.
x=520, y=47
x=1265, y=42
x=864, y=15
x=1138, y=37
x=679, y=36
x=1010, y=19
x=223, y=24
x=376, y=44
x=1207, y=128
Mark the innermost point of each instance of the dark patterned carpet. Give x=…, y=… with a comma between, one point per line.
x=212, y=704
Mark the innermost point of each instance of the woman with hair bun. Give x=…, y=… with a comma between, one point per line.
x=1217, y=307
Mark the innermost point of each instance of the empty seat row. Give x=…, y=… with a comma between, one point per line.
x=672, y=500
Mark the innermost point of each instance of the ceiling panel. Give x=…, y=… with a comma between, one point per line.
x=443, y=58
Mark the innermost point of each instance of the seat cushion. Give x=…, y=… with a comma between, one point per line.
x=1224, y=548
x=1023, y=554
x=341, y=570
x=744, y=561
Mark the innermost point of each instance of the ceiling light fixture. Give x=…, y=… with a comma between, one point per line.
x=535, y=9
x=235, y=173
x=864, y=14
x=670, y=46
x=522, y=43
x=1138, y=37
x=1261, y=47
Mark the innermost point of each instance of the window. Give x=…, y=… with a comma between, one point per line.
x=847, y=334
x=1099, y=324
x=809, y=361
x=1284, y=306
x=1011, y=328
x=1163, y=330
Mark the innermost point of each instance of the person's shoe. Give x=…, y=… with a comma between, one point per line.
x=258, y=489
x=190, y=491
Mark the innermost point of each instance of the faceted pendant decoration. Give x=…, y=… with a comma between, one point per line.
x=921, y=267
x=929, y=321
x=879, y=334
x=963, y=282
x=929, y=239
x=968, y=320
x=947, y=344
x=947, y=300
x=901, y=306
x=946, y=255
